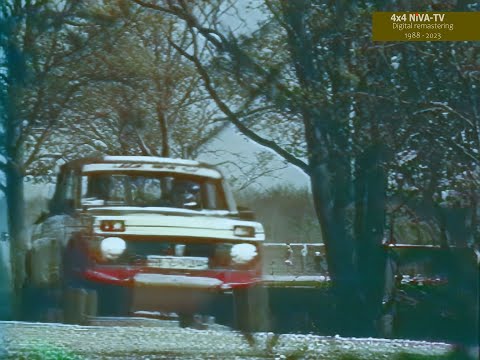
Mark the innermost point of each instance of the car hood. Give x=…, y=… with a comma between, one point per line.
x=174, y=222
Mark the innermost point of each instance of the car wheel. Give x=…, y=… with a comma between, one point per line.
x=31, y=308
x=251, y=310
x=113, y=301
x=79, y=305
x=39, y=304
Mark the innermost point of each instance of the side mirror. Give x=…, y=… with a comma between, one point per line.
x=245, y=213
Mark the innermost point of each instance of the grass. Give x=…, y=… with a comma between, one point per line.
x=49, y=352
x=46, y=352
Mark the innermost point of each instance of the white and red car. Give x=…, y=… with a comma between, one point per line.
x=144, y=234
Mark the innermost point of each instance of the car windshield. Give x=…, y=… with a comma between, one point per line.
x=152, y=190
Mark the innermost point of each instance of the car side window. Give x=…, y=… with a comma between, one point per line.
x=214, y=199
x=69, y=193
x=65, y=195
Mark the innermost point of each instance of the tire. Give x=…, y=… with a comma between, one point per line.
x=251, y=310
x=185, y=320
x=31, y=310
x=112, y=300
x=79, y=305
x=39, y=304
x=194, y=321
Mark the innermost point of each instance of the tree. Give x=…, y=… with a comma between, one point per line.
x=36, y=42
x=140, y=96
x=352, y=106
x=26, y=66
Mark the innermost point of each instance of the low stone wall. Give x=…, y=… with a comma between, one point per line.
x=294, y=259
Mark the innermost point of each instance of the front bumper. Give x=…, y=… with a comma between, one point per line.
x=122, y=291
x=220, y=280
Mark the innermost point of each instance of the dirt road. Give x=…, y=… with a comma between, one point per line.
x=37, y=340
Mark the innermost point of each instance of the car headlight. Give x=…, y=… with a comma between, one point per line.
x=112, y=248
x=243, y=253
x=244, y=231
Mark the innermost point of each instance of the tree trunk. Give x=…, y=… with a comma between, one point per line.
x=16, y=70
x=330, y=167
x=329, y=187
x=162, y=121
x=16, y=208
x=370, y=204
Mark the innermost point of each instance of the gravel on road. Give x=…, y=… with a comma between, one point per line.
x=19, y=339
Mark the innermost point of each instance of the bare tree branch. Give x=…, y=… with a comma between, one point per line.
x=47, y=129
x=145, y=149
x=453, y=111
x=233, y=117
x=476, y=159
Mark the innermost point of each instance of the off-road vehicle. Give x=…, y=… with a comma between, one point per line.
x=129, y=235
